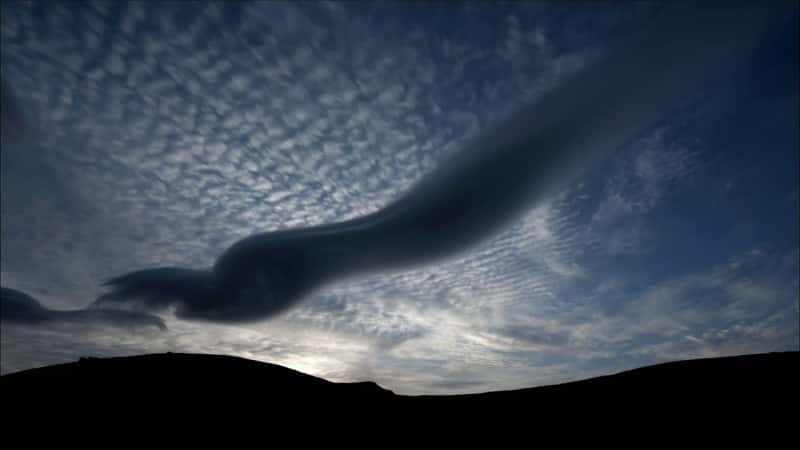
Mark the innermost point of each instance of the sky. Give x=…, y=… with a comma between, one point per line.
x=141, y=135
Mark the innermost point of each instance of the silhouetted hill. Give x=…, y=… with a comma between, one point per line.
x=764, y=377
x=184, y=385
x=179, y=375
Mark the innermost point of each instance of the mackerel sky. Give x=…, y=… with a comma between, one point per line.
x=139, y=135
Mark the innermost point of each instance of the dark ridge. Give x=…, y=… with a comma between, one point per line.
x=181, y=375
x=732, y=378
x=184, y=386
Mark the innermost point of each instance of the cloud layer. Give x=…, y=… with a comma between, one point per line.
x=479, y=189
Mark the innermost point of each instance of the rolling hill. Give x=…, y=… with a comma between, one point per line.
x=179, y=386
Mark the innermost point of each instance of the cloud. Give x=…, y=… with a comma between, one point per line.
x=471, y=196
x=15, y=124
x=527, y=334
x=746, y=293
x=659, y=165
x=452, y=385
x=16, y=307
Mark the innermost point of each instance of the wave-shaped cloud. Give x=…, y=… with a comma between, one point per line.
x=19, y=307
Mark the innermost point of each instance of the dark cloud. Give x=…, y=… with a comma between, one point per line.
x=16, y=306
x=12, y=119
x=534, y=335
x=20, y=308
x=469, y=198
x=456, y=384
